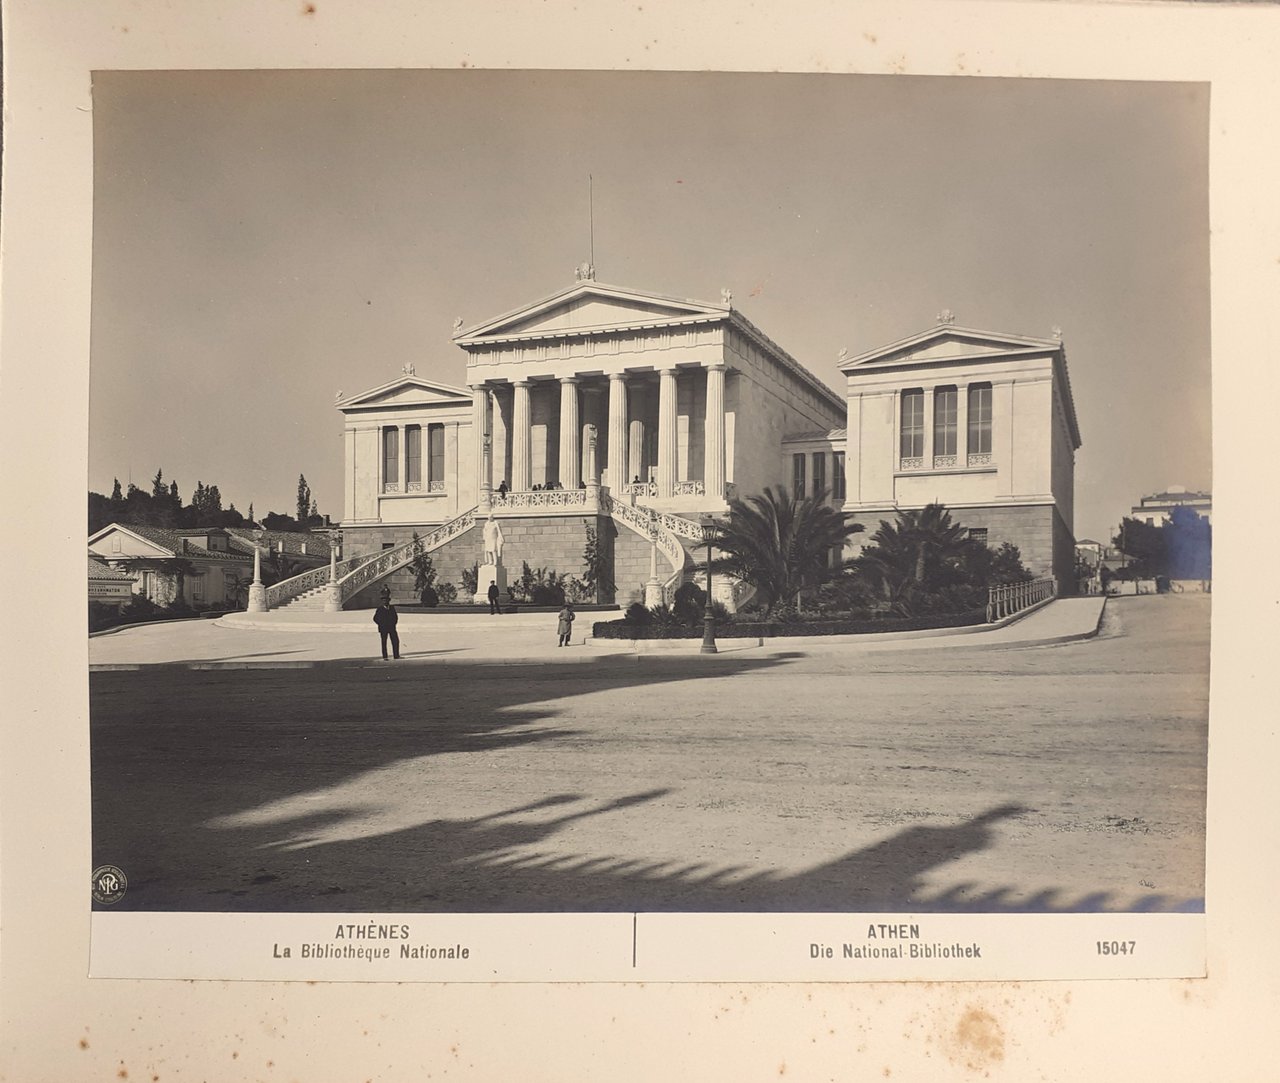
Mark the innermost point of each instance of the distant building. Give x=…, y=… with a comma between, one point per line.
x=1156, y=508
x=148, y=555
x=302, y=548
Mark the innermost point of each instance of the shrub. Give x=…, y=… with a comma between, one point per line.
x=637, y=613
x=471, y=580
x=548, y=593
x=663, y=615
x=447, y=592
x=430, y=598
x=689, y=602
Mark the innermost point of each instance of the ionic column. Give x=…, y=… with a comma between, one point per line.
x=962, y=425
x=713, y=447
x=635, y=449
x=928, y=427
x=668, y=446
x=617, y=465
x=570, y=455
x=480, y=427
x=521, y=478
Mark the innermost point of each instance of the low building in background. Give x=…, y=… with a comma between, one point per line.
x=1154, y=510
x=166, y=566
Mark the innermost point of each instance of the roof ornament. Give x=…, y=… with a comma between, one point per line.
x=946, y=318
x=408, y=369
x=726, y=296
x=457, y=325
x=337, y=395
x=843, y=355
x=1057, y=333
x=585, y=272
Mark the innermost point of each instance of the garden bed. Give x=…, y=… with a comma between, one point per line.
x=621, y=629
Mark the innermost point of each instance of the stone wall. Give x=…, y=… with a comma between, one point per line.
x=1037, y=530
x=555, y=543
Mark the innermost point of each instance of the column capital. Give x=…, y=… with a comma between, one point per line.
x=522, y=383
x=574, y=379
x=617, y=377
x=719, y=366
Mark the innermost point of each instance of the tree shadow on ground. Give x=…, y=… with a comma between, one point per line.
x=210, y=791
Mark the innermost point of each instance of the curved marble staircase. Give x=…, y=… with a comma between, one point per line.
x=316, y=590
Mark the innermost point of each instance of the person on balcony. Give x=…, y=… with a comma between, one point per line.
x=502, y=489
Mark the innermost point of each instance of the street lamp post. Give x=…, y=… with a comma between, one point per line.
x=708, y=617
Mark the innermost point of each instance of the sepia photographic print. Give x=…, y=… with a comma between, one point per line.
x=902, y=314
x=419, y=401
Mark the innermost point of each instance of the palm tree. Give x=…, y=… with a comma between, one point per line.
x=781, y=544
x=915, y=554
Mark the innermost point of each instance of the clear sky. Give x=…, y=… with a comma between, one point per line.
x=264, y=239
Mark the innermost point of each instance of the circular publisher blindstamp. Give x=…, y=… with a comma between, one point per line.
x=109, y=884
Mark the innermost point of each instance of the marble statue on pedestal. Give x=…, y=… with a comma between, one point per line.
x=491, y=570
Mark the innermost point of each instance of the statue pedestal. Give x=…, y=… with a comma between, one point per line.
x=486, y=574
x=653, y=593
x=257, y=599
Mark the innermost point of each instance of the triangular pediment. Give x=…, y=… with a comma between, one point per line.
x=947, y=343
x=407, y=391
x=589, y=306
x=131, y=544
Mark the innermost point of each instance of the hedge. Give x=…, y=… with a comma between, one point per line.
x=621, y=629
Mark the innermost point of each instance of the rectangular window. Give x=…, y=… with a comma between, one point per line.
x=413, y=456
x=978, y=534
x=390, y=457
x=819, y=472
x=837, y=475
x=944, y=423
x=979, y=419
x=911, y=443
x=435, y=453
x=197, y=587
x=797, y=474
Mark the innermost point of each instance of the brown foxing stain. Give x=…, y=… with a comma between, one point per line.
x=871, y=38
x=123, y=1073
x=309, y=9
x=84, y=1043
x=979, y=1040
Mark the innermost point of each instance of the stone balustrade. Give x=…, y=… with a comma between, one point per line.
x=1010, y=598
x=288, y=589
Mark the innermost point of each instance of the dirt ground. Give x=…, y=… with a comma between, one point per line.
x=1059, y=778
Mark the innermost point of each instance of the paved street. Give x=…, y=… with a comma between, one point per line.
x=789, y=777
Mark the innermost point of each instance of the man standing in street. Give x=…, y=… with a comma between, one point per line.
x=494, y=607
x=386, y=618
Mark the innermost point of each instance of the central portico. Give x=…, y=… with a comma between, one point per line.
x=658, y=381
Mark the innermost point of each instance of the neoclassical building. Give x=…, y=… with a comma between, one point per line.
x=634, y=415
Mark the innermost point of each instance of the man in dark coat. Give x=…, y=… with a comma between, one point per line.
x=494, y=607
x=564, y=626
x=386, y=618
